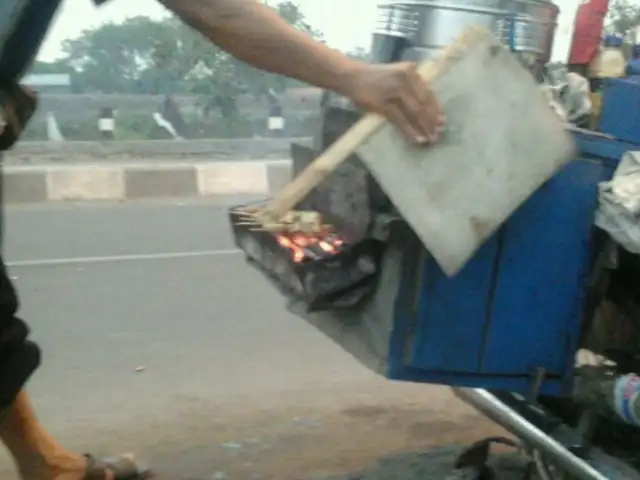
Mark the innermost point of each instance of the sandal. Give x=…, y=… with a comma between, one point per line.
x=123, y=467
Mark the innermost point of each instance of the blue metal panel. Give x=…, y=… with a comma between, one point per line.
x=620, y=116
x=446, y=300
x=516, y=306
x=608, y=151
x=544, y=260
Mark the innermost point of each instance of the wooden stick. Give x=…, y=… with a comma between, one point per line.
x=346, y=145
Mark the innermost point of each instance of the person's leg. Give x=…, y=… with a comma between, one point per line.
x=38, y=456
x=36, y=453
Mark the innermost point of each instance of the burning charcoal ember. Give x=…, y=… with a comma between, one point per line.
x=313, y=265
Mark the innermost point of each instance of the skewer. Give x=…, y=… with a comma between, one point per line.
x=302, y=221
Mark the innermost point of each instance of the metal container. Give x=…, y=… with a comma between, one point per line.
x=416, y=29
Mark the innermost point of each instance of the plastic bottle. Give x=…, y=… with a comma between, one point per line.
x=624, y=398
x=610, y=61
x=614, y=395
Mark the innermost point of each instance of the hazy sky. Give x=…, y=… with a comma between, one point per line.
x=345, y=23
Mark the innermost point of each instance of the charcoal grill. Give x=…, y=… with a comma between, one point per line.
x=307, y=273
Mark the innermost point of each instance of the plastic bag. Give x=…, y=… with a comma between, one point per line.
x=619, y=204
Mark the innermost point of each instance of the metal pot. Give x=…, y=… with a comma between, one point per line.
x=416, y=29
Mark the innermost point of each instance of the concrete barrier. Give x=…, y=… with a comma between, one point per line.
x=214, y=148
x=34, y=184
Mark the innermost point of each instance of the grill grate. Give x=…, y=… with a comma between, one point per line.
x=324, y=273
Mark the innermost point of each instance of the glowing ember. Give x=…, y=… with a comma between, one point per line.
x=296, y=250
x=300, y=245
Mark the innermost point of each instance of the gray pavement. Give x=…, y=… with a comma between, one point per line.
x=227, y=382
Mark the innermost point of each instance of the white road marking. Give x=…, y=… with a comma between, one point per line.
x=121, y=258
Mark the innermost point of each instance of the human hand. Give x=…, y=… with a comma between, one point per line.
x=397, y=92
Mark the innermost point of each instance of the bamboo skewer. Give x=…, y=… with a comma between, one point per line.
x=294, y=221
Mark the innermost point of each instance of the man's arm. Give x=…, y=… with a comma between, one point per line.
x=255, y=33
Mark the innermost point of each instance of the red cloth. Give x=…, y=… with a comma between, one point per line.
x=587, y=32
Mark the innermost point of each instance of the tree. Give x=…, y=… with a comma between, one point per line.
x=141, y=55
x=623, y=17
x=360, y=53
x=118, y=58
x=291, y=12
x=228, y=76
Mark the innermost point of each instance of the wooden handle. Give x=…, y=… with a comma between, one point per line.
x=287, y=198
x=322, y=166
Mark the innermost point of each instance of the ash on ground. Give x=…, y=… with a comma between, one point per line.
x=436, y=464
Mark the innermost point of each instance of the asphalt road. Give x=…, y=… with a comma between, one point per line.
x=228, y=382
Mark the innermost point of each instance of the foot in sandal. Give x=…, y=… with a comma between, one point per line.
x=124, y=467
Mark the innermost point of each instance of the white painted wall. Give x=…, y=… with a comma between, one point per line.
x=564, y=30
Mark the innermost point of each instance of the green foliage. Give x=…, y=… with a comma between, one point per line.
x=623, y=18
x=360, y=53
x=146, y=56
x=137, y=126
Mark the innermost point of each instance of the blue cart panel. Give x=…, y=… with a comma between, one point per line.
x=516, y=307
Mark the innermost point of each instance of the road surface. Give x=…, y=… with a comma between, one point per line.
x=228, y=382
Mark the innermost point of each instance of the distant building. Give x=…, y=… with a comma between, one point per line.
x=49, y=82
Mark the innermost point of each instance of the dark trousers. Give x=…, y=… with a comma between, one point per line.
x=19, y=357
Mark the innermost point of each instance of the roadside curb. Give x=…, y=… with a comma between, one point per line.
x=54, y=183
x=220, y=148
